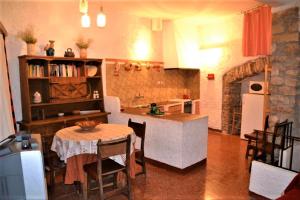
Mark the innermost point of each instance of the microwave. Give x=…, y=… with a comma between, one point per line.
x=257, y=87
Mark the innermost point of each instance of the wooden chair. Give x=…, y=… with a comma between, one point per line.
x=105, y=167
x=272, y=142
x=254, y=136
x=139, y=130
x=53, y=165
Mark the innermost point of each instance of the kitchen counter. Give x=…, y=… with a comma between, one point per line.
x=181, y=117
x=176, y=139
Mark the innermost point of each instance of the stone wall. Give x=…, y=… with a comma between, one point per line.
x=285, y=59
x=232, y=90
x=147, y=85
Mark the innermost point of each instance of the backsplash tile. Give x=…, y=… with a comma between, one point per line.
x=150, y=85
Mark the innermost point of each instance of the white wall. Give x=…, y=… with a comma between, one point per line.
x=224, y=39
x=60, y=21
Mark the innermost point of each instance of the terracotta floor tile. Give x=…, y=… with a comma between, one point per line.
x=224, y=176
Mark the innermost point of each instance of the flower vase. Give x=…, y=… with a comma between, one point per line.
x=30, y=49
x=83, y=53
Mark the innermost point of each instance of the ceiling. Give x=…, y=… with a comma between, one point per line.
x=174, y=9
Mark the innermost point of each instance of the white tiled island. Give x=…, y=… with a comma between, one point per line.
x=178, y=140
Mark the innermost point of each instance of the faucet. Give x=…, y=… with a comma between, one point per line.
x=139, y=96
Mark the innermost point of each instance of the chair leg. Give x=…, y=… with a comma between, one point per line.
x=248, y=149
x=85, y=187
x=52, y=180
x=144, y=165
x=101, y=189
x=128, y=185
x=115, y=180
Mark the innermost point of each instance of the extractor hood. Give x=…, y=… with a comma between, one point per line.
x=170, y=56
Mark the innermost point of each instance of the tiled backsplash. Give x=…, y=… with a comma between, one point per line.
x=151, y=85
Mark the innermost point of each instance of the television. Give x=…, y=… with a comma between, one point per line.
x=21, y=169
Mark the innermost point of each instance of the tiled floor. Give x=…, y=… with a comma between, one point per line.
x=225, y=176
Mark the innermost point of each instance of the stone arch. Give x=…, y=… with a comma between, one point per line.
x=232, y=89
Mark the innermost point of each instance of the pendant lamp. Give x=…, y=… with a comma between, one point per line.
x=101, y=18
x=83, y=6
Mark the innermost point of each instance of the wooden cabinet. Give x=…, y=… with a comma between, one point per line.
x=65, y=85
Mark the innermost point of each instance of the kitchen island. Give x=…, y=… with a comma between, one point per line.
x=178, y=140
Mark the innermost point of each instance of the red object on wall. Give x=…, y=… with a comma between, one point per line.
x=211, y=76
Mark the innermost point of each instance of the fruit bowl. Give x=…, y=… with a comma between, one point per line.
x=87, y=125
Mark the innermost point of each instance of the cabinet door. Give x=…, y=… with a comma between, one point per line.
x=49, y=129
x=175, y=109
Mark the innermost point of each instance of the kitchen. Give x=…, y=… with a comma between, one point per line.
x=176, y=57
x=133, y=88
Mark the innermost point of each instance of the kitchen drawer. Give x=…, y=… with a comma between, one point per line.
x=175, y=109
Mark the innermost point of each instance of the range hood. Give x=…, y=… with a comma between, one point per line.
x=170, y=56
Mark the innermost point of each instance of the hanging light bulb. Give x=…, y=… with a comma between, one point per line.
x=83, y=6
x=101, y=18
x=85, y=21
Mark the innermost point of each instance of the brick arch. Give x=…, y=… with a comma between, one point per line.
x=232, y=89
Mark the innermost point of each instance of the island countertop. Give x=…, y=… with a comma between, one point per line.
x=181, y=117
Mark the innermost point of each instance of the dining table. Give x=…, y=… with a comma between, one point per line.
x=77, y=147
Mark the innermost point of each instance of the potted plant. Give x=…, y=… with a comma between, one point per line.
x=28, y=37
x=83, y=44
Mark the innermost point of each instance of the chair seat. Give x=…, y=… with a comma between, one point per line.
x=109, y=166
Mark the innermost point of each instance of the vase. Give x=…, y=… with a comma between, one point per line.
x=83, y=53
x=30, y=49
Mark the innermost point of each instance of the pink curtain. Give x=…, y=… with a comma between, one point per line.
x=257, y=35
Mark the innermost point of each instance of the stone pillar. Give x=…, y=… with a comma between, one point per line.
x=285, y=59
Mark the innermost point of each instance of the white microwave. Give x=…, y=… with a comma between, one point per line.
x=257, y=87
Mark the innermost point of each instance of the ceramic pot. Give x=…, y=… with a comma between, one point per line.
x=83, y=53
x=30, y=49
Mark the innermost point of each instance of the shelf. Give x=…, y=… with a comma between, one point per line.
x=52, y=58
x=67, y=102
x=91, y=77
x=64, y=119
x=38, y=78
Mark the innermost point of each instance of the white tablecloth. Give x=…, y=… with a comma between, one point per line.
x=73, y=141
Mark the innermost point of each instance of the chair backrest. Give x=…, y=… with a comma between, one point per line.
x=281, y=131
x=121, y=146
x=139, y=130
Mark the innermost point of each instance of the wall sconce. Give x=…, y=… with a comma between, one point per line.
x=101, y=18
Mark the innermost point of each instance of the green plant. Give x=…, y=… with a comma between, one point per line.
x=83, y=43
x=28, y=35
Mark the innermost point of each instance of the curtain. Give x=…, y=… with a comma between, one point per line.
x=6, y=118
x=257, y=33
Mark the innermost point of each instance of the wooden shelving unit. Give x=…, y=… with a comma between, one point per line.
x=65, y=86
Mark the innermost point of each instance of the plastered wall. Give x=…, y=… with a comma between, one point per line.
x=231, y=30
x=60, y=21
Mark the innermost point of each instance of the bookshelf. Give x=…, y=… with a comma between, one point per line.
x=66, y=85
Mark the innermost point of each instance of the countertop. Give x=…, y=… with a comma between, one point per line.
x=181, y=117
x=163, y=103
